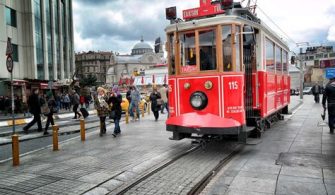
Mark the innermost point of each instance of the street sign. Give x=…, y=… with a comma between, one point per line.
x=9, y=63
x=9, y=49
x=330, y=73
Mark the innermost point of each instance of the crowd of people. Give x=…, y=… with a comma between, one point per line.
x=106, y=102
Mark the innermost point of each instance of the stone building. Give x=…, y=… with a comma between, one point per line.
x=94, y=63
x=126, y=67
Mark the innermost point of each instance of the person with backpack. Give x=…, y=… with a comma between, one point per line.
x=115, y=100
x=34, y=108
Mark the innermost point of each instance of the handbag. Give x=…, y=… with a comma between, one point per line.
x=45, y=109
x=112, y=114
x=159, y=102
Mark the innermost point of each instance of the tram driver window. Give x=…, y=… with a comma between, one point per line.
x=207, y=47
x=187, y=52
x=227, y=48
x=171, y=54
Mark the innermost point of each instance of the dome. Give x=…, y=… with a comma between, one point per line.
x=141, y=48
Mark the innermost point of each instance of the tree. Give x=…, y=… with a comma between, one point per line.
x=90, y=80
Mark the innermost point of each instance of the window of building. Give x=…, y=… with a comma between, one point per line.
x=278, y=60
x=226, y=48
x=15, y=53
x=207, y=48
x=10, y=17
x=325, y=55
x=269, y=56
x=331, y=55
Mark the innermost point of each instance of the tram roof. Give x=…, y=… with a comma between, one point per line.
x=225, y=19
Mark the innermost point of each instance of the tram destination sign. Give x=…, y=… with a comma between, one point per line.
x=206, y=9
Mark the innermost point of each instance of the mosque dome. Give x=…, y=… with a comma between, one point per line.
x=141, y=48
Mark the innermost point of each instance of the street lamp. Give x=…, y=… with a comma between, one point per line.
x=300, y=45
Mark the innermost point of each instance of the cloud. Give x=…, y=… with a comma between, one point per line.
x=116, y=25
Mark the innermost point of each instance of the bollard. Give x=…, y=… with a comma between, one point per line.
x=55, y=137
x=143, y=111
x=127, y=117
x=82, y=129
x=15, y=150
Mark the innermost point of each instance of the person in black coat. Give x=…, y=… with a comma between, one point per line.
x=35, y=109
x=316, y=92
x=115, y=100
x=155, y=106
x=329, y=96
x=53, y=108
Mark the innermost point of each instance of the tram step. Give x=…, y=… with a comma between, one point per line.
x=250, y=128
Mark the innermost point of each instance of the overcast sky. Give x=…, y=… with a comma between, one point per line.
x=116, y=25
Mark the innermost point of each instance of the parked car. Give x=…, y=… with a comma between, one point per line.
x=307, y=91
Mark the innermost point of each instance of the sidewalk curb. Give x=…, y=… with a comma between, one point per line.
x=22, y=121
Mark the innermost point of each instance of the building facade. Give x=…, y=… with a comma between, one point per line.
x=94, y=63
x=127, y=67
x=41, y=32
x=315, y=61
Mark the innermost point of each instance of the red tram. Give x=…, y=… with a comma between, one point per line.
x=227, y=72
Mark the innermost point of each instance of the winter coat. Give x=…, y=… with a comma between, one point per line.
x=34, y=104
x=153, y=98
x=102, y=110
x=116, y=105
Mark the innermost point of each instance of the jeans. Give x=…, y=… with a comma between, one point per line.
x=49, y=120
x=134, y=106
x=166, y=106
x=117, y=128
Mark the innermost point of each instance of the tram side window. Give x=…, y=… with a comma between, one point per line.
x=226, y=48
x=237, y=48
x=171, y=53
x=187, y=52
x=285, y=61
x=278, y=60
x=207, y=47
x=270, y=66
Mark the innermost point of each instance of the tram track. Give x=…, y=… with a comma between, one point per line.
x=187, y=173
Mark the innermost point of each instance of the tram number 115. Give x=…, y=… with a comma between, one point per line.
x=233, y=85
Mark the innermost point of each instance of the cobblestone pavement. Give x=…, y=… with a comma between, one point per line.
x=181, y=176
x=97, y=166
x=296, y=156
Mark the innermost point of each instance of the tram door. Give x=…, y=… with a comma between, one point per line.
x=249, y=60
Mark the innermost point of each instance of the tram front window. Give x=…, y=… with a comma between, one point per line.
x=227, y=48
x=207, y=47
x=187, y=52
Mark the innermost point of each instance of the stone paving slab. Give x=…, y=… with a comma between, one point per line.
x=296, y=156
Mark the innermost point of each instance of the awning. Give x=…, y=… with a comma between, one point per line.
x=17, y=82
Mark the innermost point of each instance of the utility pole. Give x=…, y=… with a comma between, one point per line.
x=301, y=75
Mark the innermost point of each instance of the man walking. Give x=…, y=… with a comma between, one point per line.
x=329, y=96
x=75, y=102
x=35, y=109
x=164, y=96
x=316, y=92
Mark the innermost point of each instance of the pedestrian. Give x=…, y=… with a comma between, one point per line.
x=316, y=92
x=115, y=100
x=128, y=97
x=67, y=101
x=164, y=96
x=155, y=97
x=102, y=107
x=52, y=105
x=75, y=103
x=135, y=100
x=34, y=108
x=329, y=96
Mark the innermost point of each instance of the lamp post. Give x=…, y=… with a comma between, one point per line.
x=300, y=45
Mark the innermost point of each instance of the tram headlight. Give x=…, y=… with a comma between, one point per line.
x=198, y=100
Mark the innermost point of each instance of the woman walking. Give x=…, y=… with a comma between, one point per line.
x=155, y=97
x=100, y=104
x=115, y=100
x=53, y=108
